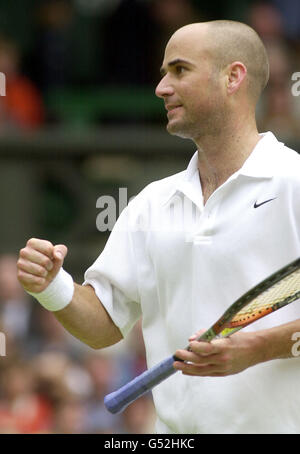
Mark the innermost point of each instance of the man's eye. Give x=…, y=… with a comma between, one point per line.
x=180, y=69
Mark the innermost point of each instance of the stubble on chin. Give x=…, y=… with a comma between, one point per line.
x=181, y=130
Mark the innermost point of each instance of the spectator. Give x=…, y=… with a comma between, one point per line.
x=69, y=416
x=102, y=372
x=22, y=106
x=290, y=13
x=267, y=22
x=15, y=306
x=66, y=385
x=51, y=56
x=128, y=44
x=22, y=410
x=277, y=108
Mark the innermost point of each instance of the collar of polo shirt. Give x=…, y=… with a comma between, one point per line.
x=260, y=164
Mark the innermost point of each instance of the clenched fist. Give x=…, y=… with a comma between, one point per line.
x=38, y=264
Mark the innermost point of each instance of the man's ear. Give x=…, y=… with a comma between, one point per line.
x=236, y=74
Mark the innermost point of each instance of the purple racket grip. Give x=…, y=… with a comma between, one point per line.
x=117, y=401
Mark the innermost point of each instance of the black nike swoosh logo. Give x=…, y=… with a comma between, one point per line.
x=256, y=205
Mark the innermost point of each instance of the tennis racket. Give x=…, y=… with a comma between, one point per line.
x=278, y=290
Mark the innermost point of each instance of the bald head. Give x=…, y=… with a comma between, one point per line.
x=212, y=74
x=228, y=41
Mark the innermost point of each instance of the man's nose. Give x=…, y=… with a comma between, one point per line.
x=164, y=88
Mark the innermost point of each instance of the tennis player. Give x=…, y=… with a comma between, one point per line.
x=243, y=189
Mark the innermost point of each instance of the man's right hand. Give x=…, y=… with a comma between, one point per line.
x=38, y=264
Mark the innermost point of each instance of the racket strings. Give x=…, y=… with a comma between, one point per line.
x=281, y=293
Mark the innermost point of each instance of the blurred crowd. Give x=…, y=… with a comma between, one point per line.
x=81, y=44
x=49, y=381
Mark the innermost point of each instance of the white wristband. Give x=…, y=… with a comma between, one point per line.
x=58, y=294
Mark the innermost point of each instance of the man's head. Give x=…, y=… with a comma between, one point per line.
x=211, y=70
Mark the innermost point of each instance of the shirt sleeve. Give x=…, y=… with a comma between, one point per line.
x=114, y=276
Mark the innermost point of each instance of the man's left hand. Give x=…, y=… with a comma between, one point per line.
x=221, y=357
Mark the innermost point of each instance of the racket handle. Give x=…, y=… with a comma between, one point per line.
x=117, y=401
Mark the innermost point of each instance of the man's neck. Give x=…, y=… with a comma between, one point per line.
x=221, y=156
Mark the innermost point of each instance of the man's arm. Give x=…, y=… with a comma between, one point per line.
x=234, y=354
x=85, y=317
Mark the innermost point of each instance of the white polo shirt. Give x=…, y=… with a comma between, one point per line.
x=180, y=264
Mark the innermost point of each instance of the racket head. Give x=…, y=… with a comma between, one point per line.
x=274, y=292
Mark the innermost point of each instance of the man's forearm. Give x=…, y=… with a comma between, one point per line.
x=86, y=319
x=279, y=342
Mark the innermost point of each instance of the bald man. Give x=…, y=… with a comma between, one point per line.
x=189, y=245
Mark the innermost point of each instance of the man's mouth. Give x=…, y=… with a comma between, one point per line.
x=172, y=107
